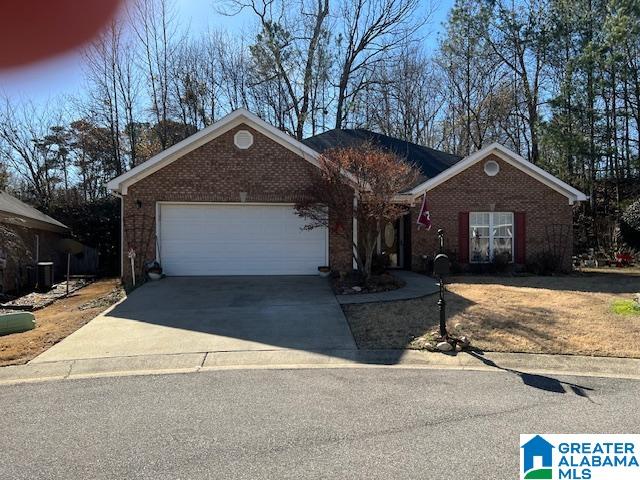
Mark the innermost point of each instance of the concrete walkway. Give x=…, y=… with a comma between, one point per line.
x=512, y=363
x=417, y=286
x=184, y=315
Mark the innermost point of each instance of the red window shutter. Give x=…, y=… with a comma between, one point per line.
x=463, y=237
x=520, y=251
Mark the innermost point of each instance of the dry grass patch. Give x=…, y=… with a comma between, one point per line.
x=57, y=321
x=569, y=315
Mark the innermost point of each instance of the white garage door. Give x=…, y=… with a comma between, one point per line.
x=206, y=239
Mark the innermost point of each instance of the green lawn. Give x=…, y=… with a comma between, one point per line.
x=626, y=307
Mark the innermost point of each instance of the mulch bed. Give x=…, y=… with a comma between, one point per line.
x=352, y=284
x=58, y=320
x=38, y=300
x=103, y=302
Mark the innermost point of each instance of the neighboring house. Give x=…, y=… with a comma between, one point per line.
x=39, y=234
x=221, y=203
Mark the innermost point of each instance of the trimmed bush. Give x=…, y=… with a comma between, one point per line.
x=630, y=225
x=544, y=263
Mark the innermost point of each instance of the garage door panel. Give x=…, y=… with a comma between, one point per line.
x=238, y=240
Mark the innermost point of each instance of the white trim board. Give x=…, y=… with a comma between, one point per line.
x=237, y=117
x=511, y=158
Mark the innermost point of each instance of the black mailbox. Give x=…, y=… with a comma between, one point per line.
x=441, y=265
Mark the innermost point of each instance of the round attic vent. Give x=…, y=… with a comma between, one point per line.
x=491, y=168
x=243, y=139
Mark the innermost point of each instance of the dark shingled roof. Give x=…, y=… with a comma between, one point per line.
x=430, y=162
x=11, y=207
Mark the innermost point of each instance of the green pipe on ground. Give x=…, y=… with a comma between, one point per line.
x=16, y=322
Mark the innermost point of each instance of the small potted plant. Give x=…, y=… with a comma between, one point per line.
x=324, y=271
x=154, y=270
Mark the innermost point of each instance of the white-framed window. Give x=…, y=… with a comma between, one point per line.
x=491, y=234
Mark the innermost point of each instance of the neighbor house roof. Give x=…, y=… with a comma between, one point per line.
x=17, y=212
x=430, y=162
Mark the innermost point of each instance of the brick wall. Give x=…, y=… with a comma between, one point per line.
x=217, y=172
x=511, y=190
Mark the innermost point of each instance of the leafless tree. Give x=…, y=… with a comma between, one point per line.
x=372, y=30
x=234, y=66
x=113, y=93
x=474, y=78
x=375, y=178
x=23, y=128
x=404, y=100
x=285, y=53
x=519, y=37
x=155, y=25
x=4, y=176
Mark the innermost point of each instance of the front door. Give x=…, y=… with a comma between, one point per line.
x=391, y=243
x=395, y=243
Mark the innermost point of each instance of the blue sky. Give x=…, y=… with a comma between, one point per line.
x=61, y=76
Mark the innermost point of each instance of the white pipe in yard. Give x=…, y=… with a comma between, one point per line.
x=132, y=257
x=68, y=271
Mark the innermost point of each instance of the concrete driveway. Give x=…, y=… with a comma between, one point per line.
x=207, y=314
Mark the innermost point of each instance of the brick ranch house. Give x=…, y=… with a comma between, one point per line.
x=221, y=203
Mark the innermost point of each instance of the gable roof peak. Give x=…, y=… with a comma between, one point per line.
x=237, y=117
x=513, y=159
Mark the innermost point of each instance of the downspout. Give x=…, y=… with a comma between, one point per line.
x=121, y=232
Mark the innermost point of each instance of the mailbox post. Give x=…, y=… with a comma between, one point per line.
x=441, y=269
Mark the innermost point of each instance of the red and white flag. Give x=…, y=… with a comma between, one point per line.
x=424, y=218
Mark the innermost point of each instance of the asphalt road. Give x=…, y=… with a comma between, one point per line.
x=276, y=424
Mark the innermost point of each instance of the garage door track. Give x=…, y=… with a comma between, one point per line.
x=210, y=314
